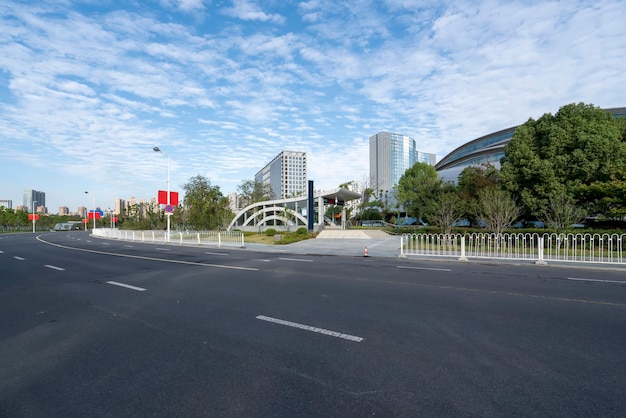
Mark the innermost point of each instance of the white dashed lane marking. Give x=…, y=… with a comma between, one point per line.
x=127, y=286
x=54, y=267
x=595, y=280
x=296, y=259
x=422, y=268
x=310, y=328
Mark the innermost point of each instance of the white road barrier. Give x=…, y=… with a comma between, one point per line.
x=540, y=248
x=218, y=238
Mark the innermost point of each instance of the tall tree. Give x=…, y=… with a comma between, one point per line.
x=497, y=208
x=418, y=188
x=251, y=191
x=206, y=207
x=559, y=155
x=446, y=209
x=608, y=198
x=561, y=213
x=475, y=178
x=472, y=181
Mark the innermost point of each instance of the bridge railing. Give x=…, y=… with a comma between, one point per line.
x=541, y=248
x=218, y=238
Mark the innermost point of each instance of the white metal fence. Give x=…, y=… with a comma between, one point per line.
x=219, y=238
x=541, y=248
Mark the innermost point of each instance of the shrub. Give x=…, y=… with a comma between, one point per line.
x=302, y=231
x=270, y=232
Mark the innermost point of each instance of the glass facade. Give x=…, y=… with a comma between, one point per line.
x=390, y=156
x=31, y=196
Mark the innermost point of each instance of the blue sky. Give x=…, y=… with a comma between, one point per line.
x=87, y=88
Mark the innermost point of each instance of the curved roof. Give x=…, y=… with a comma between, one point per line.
x=490, y=148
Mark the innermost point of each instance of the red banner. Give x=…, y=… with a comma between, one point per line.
x=174, y=198
x=162, y=198
x=92, y=214
x=30, y=216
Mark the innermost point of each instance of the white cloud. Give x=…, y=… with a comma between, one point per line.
x=226, y=95
x=248, y=10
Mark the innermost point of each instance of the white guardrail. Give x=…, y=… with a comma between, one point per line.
x=541, y=248
x=219, y=238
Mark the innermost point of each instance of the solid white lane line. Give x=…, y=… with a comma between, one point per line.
x=139, y=257
x=19, y=258
x=216, y=253
x=421, y=268
x=1, y=252
x=296, y=259
x=54, y=267
x=163, y=249
x=128, y=246
x=595, y=280
x=310, y=328
x=139, y=289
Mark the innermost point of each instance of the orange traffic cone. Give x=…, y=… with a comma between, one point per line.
x=365, y=254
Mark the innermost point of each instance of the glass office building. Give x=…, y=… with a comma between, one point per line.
x=36, y=196
x=390, y=156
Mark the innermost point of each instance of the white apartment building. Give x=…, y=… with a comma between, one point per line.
x=286, y=175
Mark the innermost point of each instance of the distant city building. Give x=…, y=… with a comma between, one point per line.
x=6, y=204
x=120, y=206
x=39, y=198
x=82, y=212
x=233, y=202
x=64, y=211
x=390, y=156
x=286, y=175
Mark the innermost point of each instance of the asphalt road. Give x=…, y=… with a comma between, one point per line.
x=90, y=328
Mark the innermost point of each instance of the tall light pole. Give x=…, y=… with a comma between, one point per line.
x=34, y=201
x=94, y=210
x=167, y=214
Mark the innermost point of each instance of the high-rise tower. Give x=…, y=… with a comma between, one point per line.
x=390, y=156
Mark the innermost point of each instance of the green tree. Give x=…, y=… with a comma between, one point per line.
x=608, y=198
x=206, y=207
x=446, y=209
x=497, y=208
x=561, y=213
x=251, y=191
x=561, y=154
x=418, y=188
x=473, y=180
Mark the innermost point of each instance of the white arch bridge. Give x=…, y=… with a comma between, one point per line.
x=292, y=213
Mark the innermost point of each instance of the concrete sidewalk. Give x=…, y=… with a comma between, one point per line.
x=385, y=246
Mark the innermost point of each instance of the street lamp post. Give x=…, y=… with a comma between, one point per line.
x=110, y=218
x=34, y=201
x=167, y=214
x=94, y=210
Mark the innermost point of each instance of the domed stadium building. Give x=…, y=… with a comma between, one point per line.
x=486, y=149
